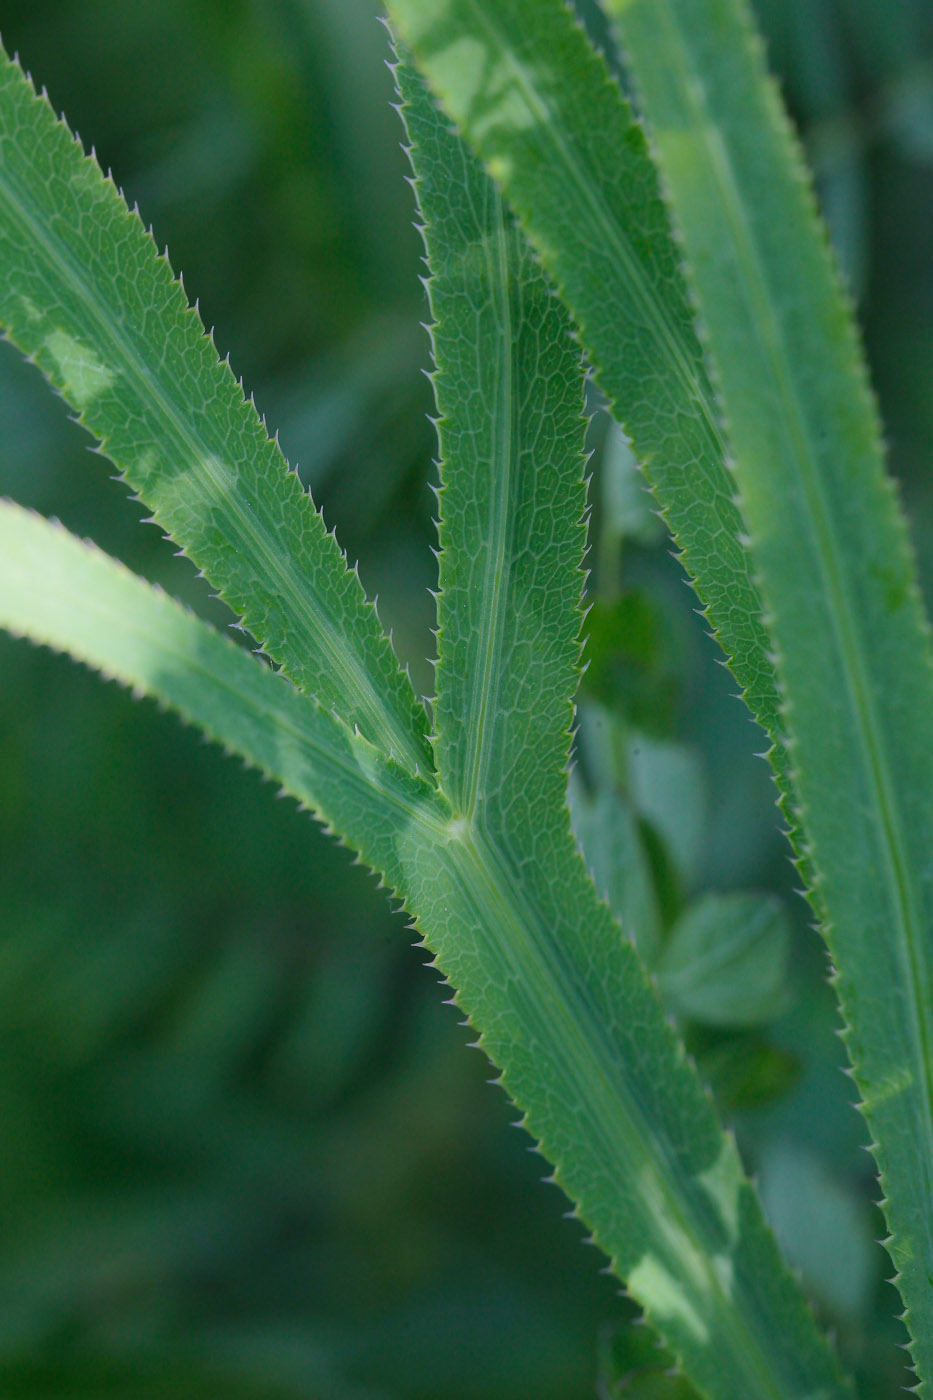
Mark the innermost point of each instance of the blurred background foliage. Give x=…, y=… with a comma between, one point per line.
x=243, y=1150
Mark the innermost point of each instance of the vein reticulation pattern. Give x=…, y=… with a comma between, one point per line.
x=529, y=93
x=85, y=294
x=831, y=550
x=508, y=383
x=560, y=997
x=578, y=1029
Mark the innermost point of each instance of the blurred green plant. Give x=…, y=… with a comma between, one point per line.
x=82, y=296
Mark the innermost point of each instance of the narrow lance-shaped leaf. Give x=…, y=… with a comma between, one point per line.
x=558, y=993
x=85, y=294
x=530, y=94
x=830, y=547
x=64, y=593
x=562, y=1004
x=509, y=388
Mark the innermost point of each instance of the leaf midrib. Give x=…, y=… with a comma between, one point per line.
x=652, y=307
x=398, y=742
x=523, y=940
x=502, y=468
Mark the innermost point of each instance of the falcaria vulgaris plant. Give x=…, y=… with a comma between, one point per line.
x=690, y=266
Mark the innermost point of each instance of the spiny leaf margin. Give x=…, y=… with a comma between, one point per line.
x=527, y=876
x=508, y=381
x=559, y=996
x=831, y=549
x=86, y=296
x=68, y=594
x=530, y=94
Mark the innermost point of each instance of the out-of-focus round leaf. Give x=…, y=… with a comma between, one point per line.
x=726, y=961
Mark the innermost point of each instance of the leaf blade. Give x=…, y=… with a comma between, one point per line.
x=84, y=294
x=509, y=388
x=831, y=550
x=532, y=97
x=726, y=961
x=69, y=595
x=560, y=997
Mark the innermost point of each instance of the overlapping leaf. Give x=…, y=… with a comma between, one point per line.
x=826, y=535
x=559, y=995
x=830, y=548
x=84, y=293
x=498, y=886
x=71, y=596
x=534, y=99
x=509, y=390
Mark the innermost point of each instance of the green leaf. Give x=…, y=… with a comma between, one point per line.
x=831, y=550
x=564, y=1007
x=823, y=1227
x=509, y=388
x=614, y=850
x=84, y=293
x=530, y=94
x=542, y=969
x=69, y=595
x=668, y=788
x=725, y=962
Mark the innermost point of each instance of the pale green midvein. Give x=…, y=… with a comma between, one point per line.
x=503, y=463
x=355, y=675
x=496, y=906
x=653, y=310
x=490, y=886
x=464, y=864
x=847, y=633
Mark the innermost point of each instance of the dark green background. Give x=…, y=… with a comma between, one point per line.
x=243, y=1149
